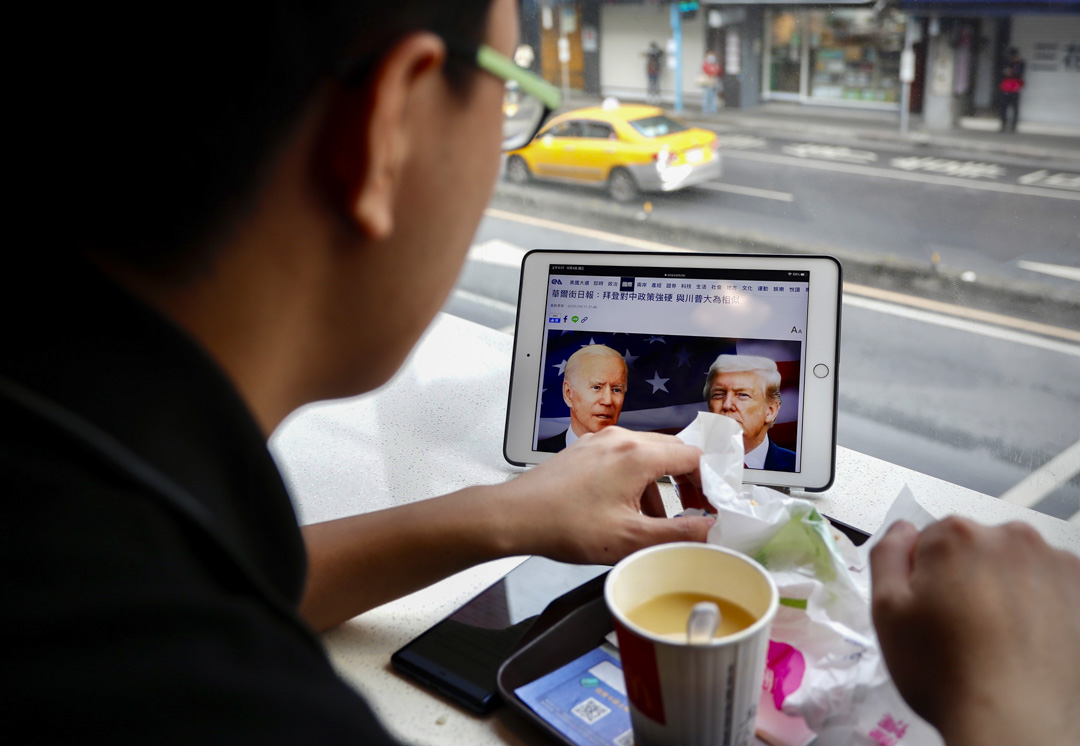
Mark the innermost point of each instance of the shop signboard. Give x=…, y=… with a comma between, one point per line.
x=733, y=53
x=590, y=39
x=907, y=66
x=564, y=50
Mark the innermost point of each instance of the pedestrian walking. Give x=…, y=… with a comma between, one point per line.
x=710, y=83
x=1012, y=82
x=654, y=58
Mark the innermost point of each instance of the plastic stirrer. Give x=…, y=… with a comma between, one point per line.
x=704, y=620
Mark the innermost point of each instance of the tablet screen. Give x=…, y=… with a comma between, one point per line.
x=648, y=348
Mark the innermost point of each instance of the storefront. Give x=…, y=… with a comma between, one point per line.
x=841, y=56
x=968, y=43
x=1051, y=46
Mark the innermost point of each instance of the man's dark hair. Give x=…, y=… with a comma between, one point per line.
x=165, y=117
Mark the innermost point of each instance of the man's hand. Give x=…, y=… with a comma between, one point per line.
x=980, y=627
x=586, y=503
x=582, y=505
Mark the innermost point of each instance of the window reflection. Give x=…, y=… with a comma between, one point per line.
x=873, y=133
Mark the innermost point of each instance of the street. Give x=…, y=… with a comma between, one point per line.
x=987, y=401
x=894, y=202
x=1007, y=218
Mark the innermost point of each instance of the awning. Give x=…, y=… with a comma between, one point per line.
x=988, y=7
x=788, y=2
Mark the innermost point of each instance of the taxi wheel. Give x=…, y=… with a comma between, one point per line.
x=621, y=185
x=517, y=170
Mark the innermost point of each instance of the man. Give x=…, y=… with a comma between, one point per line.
x=654, y=61
x=594, y=387
x=255, y=183
x=1012, y=82
x=746, y=388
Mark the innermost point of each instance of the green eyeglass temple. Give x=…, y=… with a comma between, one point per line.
x=503, y=67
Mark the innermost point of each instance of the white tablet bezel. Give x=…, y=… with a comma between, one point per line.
x=818, y=395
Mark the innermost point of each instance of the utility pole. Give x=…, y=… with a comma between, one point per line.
x=676, y=52
x=907, y=73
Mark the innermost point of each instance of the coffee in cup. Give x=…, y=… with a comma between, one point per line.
x=701, y=693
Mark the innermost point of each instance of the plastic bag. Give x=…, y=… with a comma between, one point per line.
x=825, y=665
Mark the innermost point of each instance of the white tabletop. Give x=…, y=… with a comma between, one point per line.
x=438, y=427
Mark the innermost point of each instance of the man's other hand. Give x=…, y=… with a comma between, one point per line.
x=980, y=628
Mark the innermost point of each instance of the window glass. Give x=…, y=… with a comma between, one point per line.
x=657, y=126
x=785, y=51
x=566, y=129
x=855, y=55
x=938, y=158
x=599, y=130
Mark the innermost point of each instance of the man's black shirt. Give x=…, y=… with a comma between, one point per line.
x=152, y=564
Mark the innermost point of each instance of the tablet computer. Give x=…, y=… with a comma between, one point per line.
x=648, y=340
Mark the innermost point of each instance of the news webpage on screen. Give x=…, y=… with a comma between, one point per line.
x=634, y=346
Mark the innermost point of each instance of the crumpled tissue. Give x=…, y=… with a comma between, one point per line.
x=826, y=675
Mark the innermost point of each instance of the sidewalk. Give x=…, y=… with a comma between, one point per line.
x=1058, y=144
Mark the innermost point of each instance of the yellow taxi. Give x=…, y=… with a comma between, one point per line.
x=628, y=148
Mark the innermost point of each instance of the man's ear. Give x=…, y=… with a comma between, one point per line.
x=566, y=393
x=772, y=409
x=368, y=138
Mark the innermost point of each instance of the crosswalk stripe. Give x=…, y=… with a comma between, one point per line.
x=1047, y=478
x=1057, y=270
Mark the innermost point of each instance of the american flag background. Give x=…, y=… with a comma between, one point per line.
x=666, y=377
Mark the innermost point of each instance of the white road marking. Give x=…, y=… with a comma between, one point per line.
x=972, y=327
x=884, y=173
x=483, y=300
x=497, y=252
x=716, y=186
x=829, y=152
x=1060, y=180
x=972, y=314
x=636, y=243
x=948, y=167
x=1057, y=270
x=740, y=142
x=1047, y=478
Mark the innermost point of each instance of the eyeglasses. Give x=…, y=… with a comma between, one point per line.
x=527, y=100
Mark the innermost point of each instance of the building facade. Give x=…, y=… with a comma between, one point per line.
x=845, y=53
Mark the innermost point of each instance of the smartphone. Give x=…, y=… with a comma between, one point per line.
x=460, y=656
x=857, y=535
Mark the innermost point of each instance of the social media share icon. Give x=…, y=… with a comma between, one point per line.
x=554, y=320
x=574, y=319
x=584, y=319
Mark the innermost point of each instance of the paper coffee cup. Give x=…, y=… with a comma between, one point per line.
x=702, y=694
